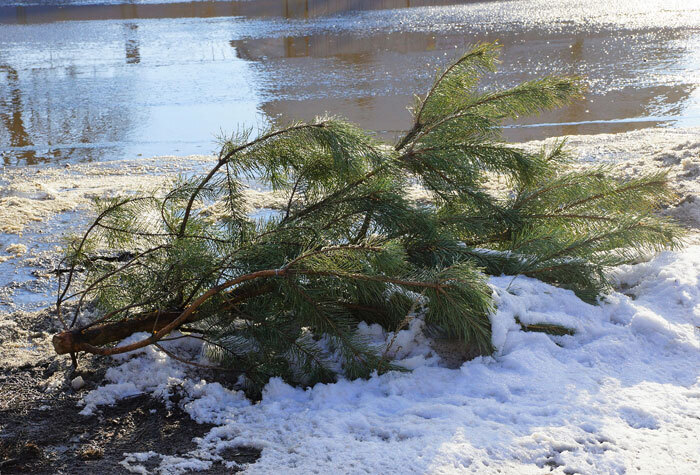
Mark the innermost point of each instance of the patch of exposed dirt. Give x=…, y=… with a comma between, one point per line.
x=42, y=432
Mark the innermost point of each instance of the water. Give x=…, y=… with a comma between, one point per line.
x=90, y=80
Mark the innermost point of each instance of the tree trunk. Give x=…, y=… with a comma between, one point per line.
x=73, y=341
x=70, y=341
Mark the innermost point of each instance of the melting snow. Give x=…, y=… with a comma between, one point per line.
x=622, y=395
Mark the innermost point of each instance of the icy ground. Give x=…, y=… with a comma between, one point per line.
x=622, y=395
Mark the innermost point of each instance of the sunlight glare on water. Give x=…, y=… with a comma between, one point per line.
x=107, y=79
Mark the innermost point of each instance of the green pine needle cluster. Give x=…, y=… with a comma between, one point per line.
x=282, y=296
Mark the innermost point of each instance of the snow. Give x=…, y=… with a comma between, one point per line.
x=14, y=250
x=621, y=395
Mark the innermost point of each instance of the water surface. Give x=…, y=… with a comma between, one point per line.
x=85, y=80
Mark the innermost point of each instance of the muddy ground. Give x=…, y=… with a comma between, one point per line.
x=41, y=430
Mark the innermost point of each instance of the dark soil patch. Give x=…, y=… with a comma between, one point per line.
x=43, y=432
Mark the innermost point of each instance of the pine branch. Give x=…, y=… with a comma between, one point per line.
x=282, y=296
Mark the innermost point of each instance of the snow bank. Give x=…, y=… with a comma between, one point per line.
x=622, y=395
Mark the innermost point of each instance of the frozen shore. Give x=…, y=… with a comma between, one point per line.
x=621, y=395
x=38, y=194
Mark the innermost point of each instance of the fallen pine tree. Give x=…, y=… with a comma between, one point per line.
x=282, y=296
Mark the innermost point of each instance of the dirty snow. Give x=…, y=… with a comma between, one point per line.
x=622, y=395
x=14, y=250
x=36, y=194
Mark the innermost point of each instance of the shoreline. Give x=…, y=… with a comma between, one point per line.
x=37, y=194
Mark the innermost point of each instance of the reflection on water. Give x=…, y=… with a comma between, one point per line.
x=627, y=87
x=131, y=43
x=53, y=11
x=104, y=79
x=12, y=118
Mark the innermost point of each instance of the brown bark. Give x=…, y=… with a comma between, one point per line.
x=73, y=341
